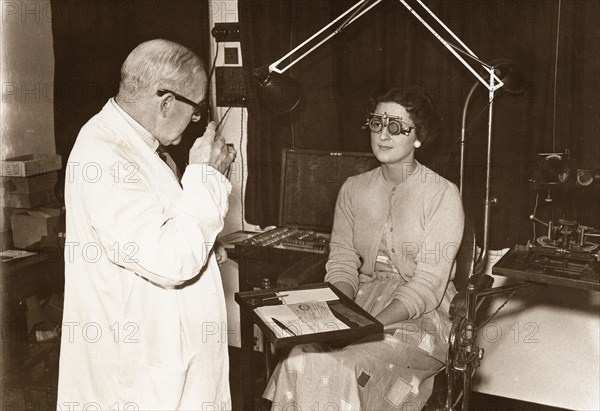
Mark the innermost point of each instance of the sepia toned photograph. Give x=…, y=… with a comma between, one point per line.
x=325, y=205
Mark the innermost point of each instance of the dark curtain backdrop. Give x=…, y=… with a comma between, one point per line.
x=387, y=46
x=92, y=38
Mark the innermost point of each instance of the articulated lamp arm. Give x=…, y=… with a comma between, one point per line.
x=353, y=17
x=362, y=7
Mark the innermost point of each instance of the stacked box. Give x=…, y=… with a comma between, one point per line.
x=31, y=184
x=27, y=183
x=30, y=226
x=30, y=164
x=31, y=200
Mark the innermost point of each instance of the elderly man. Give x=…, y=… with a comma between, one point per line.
x=144, y=315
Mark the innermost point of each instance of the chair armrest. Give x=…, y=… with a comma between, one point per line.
x=479, y=282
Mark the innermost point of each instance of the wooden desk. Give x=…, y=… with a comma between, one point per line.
x=543, y=346
x=517, y=263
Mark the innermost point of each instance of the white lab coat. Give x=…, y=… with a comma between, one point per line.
x=144, y=322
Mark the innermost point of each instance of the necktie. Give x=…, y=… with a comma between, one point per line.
x=166, y=157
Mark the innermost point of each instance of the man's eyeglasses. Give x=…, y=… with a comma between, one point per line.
x=198, y=108
x=377, y=122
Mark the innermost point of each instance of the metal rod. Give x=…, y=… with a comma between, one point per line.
x=441, y=23
x=351, y=18
x=481, y=263
x=463, y=133
x=267, y=350
x=483, y=63
x=534, y=218
x=503, y=289
x=273, y=67
x=467, y=386
x=494, y=83
x=223, y=118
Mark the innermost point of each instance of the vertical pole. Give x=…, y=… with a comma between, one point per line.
x=469, y=338
x=480, y=266
x=463, y=133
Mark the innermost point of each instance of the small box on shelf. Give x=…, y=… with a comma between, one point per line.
x=30, y=164
x=31, y=184
x=31, y=200
x=29, y=226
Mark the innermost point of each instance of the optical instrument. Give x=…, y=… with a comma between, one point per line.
x=377, y=122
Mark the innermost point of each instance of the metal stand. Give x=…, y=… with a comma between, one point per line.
x=267, y=350
x=464, y=356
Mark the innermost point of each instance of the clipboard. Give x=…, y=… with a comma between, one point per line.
x=360, y=323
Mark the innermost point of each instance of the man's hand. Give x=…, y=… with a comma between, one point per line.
x=220, y=253
x=212, y=150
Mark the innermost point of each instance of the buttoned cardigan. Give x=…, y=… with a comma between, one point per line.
x=425, y=225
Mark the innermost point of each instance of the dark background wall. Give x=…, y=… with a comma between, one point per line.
x=558, y=110
x=92, y=38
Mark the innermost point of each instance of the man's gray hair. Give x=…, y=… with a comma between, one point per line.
x=157, y=64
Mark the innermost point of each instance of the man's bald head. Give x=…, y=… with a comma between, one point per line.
x=159, y=64
x=177, y=71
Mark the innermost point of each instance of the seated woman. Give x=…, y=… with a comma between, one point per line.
x=396, y=232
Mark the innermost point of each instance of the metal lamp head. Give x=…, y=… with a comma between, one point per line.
x=281, y=94
x=510, y=75
x=587, y=177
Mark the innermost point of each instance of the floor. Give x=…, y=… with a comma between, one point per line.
x=40, y=394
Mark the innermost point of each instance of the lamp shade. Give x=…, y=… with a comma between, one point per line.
x=280, y=93
x=508, y=71
x=553, y=169
x=587, y=177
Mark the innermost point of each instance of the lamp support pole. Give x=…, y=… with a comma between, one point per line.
x=463, y=132
x=481, y=263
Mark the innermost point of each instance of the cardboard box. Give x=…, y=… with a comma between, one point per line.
x=31, y=184
x=32, y=200
x=5, y=214
x=30, y=226
x=30, y=164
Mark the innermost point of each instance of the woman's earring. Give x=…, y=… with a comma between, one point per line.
x=417, y=144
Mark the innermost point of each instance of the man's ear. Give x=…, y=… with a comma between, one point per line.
x=165, y=104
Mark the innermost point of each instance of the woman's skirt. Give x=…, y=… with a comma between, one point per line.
x=393, y=371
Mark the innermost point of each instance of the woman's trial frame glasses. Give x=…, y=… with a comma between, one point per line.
x=377, y=122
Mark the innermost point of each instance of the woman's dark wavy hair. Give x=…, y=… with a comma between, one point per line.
x=419, y=106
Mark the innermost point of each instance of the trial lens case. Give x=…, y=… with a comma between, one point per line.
x=361, y=324
x=310, y=183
